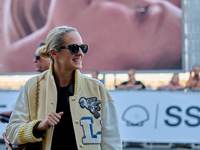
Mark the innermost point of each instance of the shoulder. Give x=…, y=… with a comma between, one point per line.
x=94, y=84
x=92, y=81
x=138, y=82
x=124, y=83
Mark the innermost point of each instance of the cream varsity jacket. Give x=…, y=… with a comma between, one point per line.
x=93, y=113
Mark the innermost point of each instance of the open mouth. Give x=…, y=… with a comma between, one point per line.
x=77, y=60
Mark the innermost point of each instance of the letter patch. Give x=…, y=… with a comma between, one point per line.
x=91, y=104
x=89, y=138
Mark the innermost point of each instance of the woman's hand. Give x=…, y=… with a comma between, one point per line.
x=51, y=120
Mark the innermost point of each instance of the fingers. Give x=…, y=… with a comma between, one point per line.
x=54, y=116
x=51, y=120
x=61, y=113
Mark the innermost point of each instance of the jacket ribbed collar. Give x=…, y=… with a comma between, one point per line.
x=78, y=79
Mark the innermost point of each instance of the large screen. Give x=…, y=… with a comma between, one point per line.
x=121, y=34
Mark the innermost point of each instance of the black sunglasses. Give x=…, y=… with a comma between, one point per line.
x=74, y=48
x=37, y=57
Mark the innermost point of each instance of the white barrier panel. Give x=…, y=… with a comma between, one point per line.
x=158, y=116
x=7, y=102
x=146, y=116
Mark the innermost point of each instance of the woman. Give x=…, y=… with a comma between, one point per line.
x=173, y=85
x=130, y=33
x=74, y=111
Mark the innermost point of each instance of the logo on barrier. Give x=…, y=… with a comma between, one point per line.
x=135, y=115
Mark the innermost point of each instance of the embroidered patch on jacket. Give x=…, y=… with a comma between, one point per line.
x=89, y=137
x=91, y=104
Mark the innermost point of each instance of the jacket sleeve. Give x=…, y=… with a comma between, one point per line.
x=111, y=139
x=20, y=127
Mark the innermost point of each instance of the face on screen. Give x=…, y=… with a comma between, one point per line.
x=122, y=34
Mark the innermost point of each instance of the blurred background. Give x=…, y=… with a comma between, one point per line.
x=156, y=38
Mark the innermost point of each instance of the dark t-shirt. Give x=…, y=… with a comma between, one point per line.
x=63, y=135
x=136, y=83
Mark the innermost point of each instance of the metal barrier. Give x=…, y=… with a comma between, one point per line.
x=156, y=145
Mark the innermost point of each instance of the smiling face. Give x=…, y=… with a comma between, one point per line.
x=65, y=59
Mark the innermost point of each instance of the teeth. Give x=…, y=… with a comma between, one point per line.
x=77, y=60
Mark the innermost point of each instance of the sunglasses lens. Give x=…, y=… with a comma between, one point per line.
x=37, y=57
x=74, y=49
x=84, y=48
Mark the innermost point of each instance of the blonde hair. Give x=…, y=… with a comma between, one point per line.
x=55, y=38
